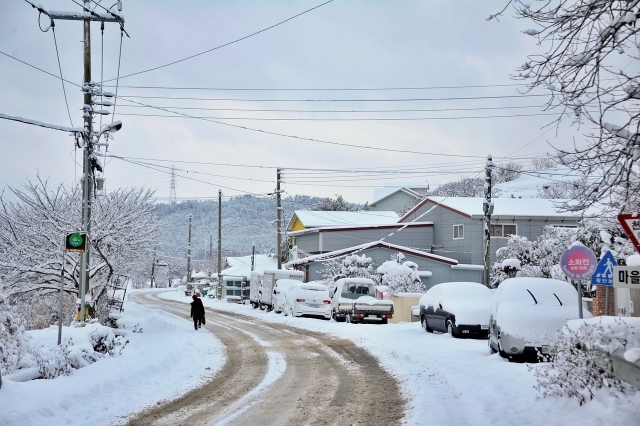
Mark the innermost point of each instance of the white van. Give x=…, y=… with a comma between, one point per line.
x=254, y=288
x=269, y=281
x=308, y=299
x=279, y=292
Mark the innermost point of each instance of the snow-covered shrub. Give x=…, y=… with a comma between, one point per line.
x=352, y=266
x=53, y=362
x=399, y=278
x=12, y=338
x=583, y=363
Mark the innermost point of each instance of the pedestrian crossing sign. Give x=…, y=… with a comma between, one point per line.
x=604, y=271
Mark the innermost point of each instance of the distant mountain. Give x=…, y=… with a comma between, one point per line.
x=245, y=220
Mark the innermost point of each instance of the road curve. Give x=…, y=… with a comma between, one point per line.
x=280, y=375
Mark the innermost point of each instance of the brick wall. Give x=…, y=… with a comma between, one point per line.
x=599, y=302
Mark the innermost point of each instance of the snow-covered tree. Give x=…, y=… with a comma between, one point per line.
x=329, y=204
x=12, y=337
x=399, y=276
x=351, y=266
x=587, y=47
x=505, y=173
x=124, y=230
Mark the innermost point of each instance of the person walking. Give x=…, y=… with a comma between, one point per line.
x=197, y=312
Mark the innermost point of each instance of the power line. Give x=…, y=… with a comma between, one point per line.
x=64, y=91
x=468, y=117
x=454, y=98
x=334, y=111
x=225, y=44
x=323, y=89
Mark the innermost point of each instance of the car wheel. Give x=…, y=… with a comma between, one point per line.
x=385, y=321
x=255, y=305
x=261, y=306
x=450, y=329
x=426, y=327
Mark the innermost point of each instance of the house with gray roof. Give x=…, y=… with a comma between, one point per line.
x=398, y=196
x=457, y=223
x=432, y=268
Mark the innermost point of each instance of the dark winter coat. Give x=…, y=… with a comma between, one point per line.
x=197, y=309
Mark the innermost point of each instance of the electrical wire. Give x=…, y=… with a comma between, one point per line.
x=325, y=89
x=349, y=119
x=334, y=111
x=64, y=91
x=115, y=99
x=225, y=44
x=454, y=98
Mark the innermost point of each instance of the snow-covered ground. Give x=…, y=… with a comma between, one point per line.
x=453, y=381
x=164, y=361
x=446, y=381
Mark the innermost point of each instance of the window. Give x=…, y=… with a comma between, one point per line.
x=502, y=231
x=458, y=232
x=234, y=288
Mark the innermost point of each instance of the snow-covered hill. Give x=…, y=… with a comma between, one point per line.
x=245, y=220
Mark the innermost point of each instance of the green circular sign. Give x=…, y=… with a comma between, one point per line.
x=75, y=240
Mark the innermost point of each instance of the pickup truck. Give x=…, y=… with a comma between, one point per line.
x=352, y=300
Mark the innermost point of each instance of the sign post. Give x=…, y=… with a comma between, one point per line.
x=579, y=263
x=604, y=276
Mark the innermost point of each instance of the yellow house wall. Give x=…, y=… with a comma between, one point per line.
x=297, y=225
x=402, y=307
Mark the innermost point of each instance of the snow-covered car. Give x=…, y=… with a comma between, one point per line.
x=308, y=299
x=352, y=299
x=280, y=291
x=458, y=308
x=526, y=315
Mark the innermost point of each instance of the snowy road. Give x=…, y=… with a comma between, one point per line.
x=275, y=374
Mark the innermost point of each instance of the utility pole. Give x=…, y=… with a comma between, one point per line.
x=90, y=89
x=210, y=247
x=220, y=289
x=487, y=207
x=153, y=267
x=279, y=217
x=189, y=253
x=253, y=257
x=172, y=193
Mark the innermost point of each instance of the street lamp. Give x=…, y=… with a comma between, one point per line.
x=111, y=128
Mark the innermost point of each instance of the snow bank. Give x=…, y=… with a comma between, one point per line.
x=165, y=360
x=468, y=301
x=633, y=260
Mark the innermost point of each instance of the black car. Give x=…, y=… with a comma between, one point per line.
x=458, y=308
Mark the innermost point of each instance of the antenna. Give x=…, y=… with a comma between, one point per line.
x=172, y=194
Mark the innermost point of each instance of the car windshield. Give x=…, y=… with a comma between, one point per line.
x=354, y=291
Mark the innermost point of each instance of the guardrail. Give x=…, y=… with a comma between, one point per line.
x=625, y=370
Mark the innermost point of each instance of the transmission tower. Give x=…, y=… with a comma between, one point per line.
x=172, y=194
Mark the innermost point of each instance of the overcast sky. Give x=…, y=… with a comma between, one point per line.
x=346, y=44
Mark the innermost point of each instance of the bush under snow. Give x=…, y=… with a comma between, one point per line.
x=583, y=363
x=400, y=278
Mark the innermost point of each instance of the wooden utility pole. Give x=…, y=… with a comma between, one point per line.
x=220, y=289
x=279, y=218
x=189, y=253
x=487, y=207
x=153, y=267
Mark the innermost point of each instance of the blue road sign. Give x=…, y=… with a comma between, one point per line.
x=604, y=271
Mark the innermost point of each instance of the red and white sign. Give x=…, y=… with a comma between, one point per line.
x=631, y=224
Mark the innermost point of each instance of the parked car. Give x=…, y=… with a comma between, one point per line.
x=352, y=300
x=308, y=299
x=279, y=293
x=458, y=308
x=526, y=315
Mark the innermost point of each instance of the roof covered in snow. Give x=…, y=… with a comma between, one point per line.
x=241, y=266
x=355, y=249
x=321, y=219
x=509, y=207
x=412, y=188
x=529, y=184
